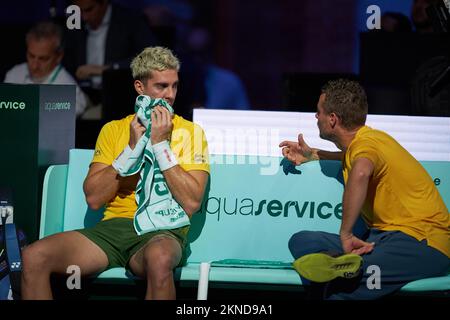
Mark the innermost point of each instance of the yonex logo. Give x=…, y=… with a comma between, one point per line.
x=15, y=265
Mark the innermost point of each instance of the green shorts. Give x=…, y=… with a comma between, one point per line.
x=118, y=239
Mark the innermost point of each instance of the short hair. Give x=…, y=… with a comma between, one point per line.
x=46, y=30
x=348, y=100
x=153, y=58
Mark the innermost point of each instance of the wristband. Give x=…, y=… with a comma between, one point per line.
x=164, y=155
x=120, y=162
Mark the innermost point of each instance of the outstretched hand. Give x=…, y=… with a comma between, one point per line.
x=297, y=152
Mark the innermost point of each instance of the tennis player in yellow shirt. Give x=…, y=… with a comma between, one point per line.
x=407, y=220
x=181, y=151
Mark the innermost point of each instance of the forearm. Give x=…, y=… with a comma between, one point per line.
x=101, y=187
x=186, y=190
x=353, y=199
x=327, y=155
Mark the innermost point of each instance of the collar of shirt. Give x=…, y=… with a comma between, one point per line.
x=105, y=21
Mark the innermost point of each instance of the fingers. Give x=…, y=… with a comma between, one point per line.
x=366, y=244
x=161, y=124
x=300, y=144
x=141, y=128
x=286, y=144
x=301, y=141
x=362, y=247
x=289, y=156
x=154, y=118
x=136, y=124
x=161, y=115
x=158, y=116
x=369, y=247
x=136, y=131
x=134, y=121
x=359, y=251
x=166, y=117
x=286, y=152
x=362, y=250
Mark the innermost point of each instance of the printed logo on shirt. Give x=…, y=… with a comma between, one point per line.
x=199, y=158
x=97, y=152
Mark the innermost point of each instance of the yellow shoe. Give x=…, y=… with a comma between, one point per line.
x=321, y=267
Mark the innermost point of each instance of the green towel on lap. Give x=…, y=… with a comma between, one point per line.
x=157, y=209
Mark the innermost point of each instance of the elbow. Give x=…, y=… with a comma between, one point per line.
x=93, y=203
x=363, y=169
x=192, y=207
x=363, y=175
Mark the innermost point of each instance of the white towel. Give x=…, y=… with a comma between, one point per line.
x=157, y=209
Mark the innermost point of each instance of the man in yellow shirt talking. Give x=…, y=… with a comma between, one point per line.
x=177, y=163
x=408, y=223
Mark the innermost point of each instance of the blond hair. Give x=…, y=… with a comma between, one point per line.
x=153, y=58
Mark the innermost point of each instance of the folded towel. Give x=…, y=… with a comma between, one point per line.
x=157, y=209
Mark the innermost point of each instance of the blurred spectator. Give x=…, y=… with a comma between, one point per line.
x=168, y=12
x=169, y=20
x=420, y=17
x=395, y=22
x=43, y=66
x=223, y=88
x=428, y=100
x=109, y=38
x=429, y=96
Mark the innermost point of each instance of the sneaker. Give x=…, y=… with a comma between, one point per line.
x=321, y=267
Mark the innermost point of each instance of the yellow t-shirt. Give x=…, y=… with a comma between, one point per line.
x=188, y=143
x=401, y=194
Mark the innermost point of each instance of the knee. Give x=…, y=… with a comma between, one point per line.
x=159, y=264
x=35, y=258
x=301, y=243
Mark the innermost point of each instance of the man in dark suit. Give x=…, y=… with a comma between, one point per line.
x=109, y=38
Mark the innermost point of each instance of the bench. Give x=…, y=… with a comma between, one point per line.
x=252, y=207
